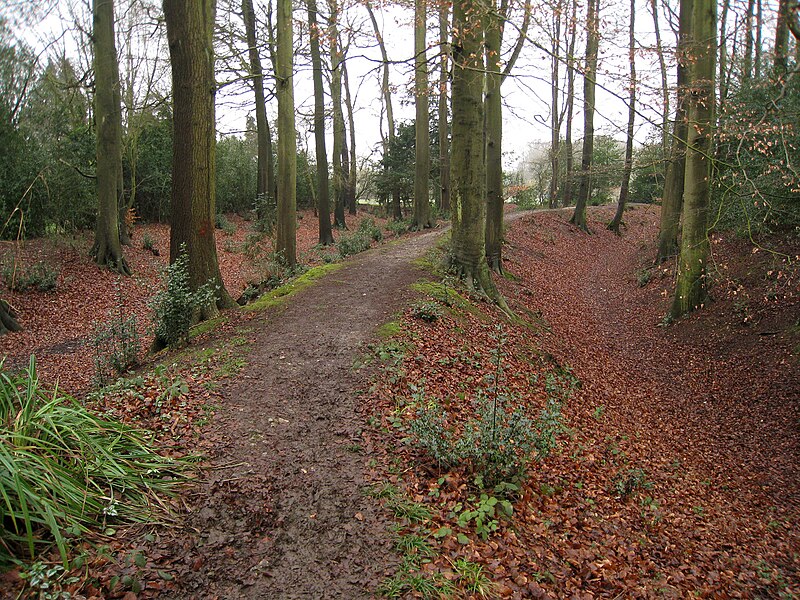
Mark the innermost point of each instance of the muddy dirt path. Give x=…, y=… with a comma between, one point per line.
x=281, y=513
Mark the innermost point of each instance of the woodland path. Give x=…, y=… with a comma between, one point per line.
x=282, y=512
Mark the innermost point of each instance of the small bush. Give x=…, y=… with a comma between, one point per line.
x=116, y=346
x=175, y=307
x=148, y=243
x=353, y=244
x=429, y=311
x=368, y=228
x=629, y=481
x=643, y=277
x=399, y=227
x=65, y=470
x=40, y=276
x=225, y=225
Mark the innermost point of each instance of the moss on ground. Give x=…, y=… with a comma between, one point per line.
x=277, y=296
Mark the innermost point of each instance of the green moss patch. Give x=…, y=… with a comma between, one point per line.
x=278, y=295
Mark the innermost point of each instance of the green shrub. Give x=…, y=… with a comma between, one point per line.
x=428, y=311
x=116, y=347
x=224, y=224
x=175, y=306
x=399, y=227
x=64, y=470
x=148, y=243
x=368, y=228
x=40, y=276
x=353, y=244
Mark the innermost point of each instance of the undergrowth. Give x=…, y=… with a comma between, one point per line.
x=65, y=471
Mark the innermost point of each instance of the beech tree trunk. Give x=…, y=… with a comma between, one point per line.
x=468, y=167
x=444, y=127
x=422, y=156
x=494, y=140
x=747, y=66
x=690, y=287
x=781, y=49
x=589, y=81
x=338, y=116
x=286, y=239
x=264, y=185
x=555, y=121
x=569, y=168
x=352, y=179
x=107, y=248
x=662, y=63
x=672, y=199
x=323, y=193
x=397, y=209
x=190, y=27
x=8, y=318
x=628, y=167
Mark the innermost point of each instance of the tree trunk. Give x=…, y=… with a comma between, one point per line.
x=626, y=171
x=323, y=193
x=397, y=210
x=747, y=66
x=569, y=168
x=352, y=179
x=190, y=27
x=494, y=140
x=589, y=81
x=8, y=318
x=468, y=167
x=723, y=55
x=662, y=63
x=286, y=239
x=422, y=156
x=690, y=287
x=759, y=31
x=338, y=116
x=781, y=40
x=107, y=248
x=672, y=200
x=555, y=121
x=264, y=183
x=444, y=129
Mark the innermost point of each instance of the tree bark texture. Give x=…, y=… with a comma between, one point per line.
x=190, y=26
x=555, y=121
x=662, y=64
x=422, y=150
x=107, y=248
x=286, y=239
x=494, y=140
x=264, y=183
x=672, y=199
x=352, y=177
x=589, y=81
x=468, y=167
x=569, y=167
x=323, y=185
x=781, y=50
x=444, y=125
x=397, y=210
x=8, y=318
x=690, y=287
x=338, y=115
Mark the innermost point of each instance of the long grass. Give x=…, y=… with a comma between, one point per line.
x=64, y=470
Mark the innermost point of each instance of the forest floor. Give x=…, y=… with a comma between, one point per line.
x=677, y=470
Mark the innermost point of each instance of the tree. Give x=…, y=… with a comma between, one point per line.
x=286, y=239
x=589, y=83
x=566, y=196
x=337, y=59
x=626, y=171
x=352, y=176
x=690, y=287
x=265, y=181
x=468, y=250
x=397, y=210
x=8, y=318
x=190, y=26
x=672, y=199
x=107, y=249
x=494, y=126
x=323, y=194
x=444, y=129
x=422, y=206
